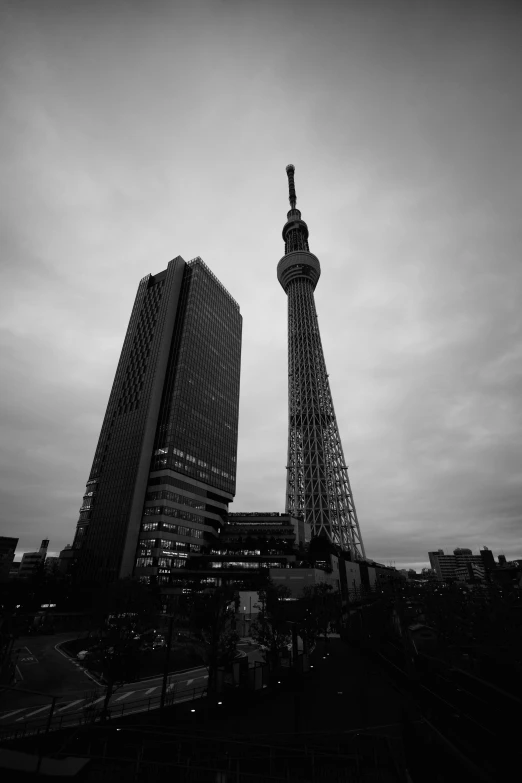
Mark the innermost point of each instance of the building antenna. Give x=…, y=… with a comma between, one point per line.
x=292, y=198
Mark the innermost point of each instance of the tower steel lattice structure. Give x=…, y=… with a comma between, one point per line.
x=318, y=486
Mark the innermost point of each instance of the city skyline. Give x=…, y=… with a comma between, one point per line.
x=132, y=137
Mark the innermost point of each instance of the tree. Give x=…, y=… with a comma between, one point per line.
x=210, y=616
x=122, y=614
x=271, y=629
x=322, y=607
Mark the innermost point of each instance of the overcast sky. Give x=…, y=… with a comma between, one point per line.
x=136, y=131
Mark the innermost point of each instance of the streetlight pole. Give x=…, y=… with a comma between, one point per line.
x=167, y=662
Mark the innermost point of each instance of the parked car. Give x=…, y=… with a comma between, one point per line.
x=82, y=655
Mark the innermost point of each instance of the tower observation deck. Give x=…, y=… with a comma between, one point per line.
x=318, y=487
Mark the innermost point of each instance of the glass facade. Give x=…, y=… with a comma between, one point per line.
x=166, y=456
x=197, y=430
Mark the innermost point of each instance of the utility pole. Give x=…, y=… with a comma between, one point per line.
x=167, y=662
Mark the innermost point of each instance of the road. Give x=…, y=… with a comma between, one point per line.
x=41, y=667
x=47, y=669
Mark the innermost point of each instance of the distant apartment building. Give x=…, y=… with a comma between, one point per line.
x=470, y=572
x=463, y=564
x=14, y=570
x=65, y=559
x=31, y=561
x=7, y=553
x=51, y=565
x=443, y=565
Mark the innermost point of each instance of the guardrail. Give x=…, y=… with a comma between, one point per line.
x=86, y=715
x=250, y=678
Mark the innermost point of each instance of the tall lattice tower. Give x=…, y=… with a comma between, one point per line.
x=318, y=486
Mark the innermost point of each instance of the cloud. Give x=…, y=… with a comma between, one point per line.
x=133, y=136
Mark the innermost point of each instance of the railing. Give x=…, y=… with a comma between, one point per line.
x=143, y=752
x=251, y=678
x=92, y=713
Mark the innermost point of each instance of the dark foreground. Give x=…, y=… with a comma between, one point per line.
x=347, y=720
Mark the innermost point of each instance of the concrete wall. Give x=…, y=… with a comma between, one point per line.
x=353, y=575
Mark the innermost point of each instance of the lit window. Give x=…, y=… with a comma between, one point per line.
x=142, y=562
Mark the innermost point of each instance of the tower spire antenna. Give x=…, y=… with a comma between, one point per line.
x=317, y=485
x=290, y=170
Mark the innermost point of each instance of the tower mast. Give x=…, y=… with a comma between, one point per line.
x=318, y=487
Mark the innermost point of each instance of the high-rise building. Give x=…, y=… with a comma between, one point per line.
x=318, y=487
x=164, y=470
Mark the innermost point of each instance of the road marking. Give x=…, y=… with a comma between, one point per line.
x=30, y=714
x=12, y=713
x=125, y=696
x=90, y=703
x=150, y=690
x=71, y=704
x=190, y=681
x=87, y=674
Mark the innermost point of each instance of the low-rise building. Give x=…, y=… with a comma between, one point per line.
x=7, y=552
x=247, y=547
x=296, y=579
